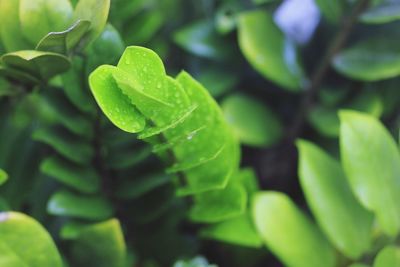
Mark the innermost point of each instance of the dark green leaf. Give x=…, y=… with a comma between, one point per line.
x=383, y=13
x=331, y=9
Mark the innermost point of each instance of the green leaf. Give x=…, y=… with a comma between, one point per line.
x=288, y=233
x=95, y=11
x=24, y=242
x=100, y=245
x=196, y=262
x=83, y=179
x=42, y=65
x=328, y=194
x=383, y=13
x=238, y=231
x=388, y=257
x=268, y=51
x=331, y=9
x=371, y=161
x=3, y=177
x=219, y=205
x=358, y=265
x=218, y=81
x=10, y=27
x=68, y=145
x=65, y=203
x=63, y=42
x=253, y=122
x=370, y=60
x=40, y=17
x=201, y=39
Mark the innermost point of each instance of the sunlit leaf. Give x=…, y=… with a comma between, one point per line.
x=3, y=176
x=389, y=256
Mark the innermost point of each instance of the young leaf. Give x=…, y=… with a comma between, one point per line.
x=389, y=256
x=371, y=160
x=3, y=177
x=24, y=242
x=40, y=17
x=328, y=194
x=370, y=60
x=100, y=245
x=267, y=50
x=254, y=123
x=288, y=233
x=95, y=11
x=65, y=203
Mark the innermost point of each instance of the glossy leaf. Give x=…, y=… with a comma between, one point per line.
x=24, y=242
x=10, y=27
x=328, y=194
x=64, y=41
x=371, y=160
x=83, y=179
x=389, y=256
x=101, y=245
x=268, y=51
x=3, y=177
x=40, y=17
x=95, y=11
x=65, y=203
x=239, y=231
x=42, y=65
x=253, y=122
x=370, y=60
x=288, y=233
x=382, y=13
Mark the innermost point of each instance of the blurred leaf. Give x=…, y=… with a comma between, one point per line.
x=239, y=231
x=3, y=177
x=268, y=51
x=81, y=178
x=382, y=13
x=24, y=242
x=217, y=80
x=328, y=194
x=40, y=17
x=253, y=122
x=95, y=11
x=332, y=10
x=371, y=160
x=260, y=2
x=10, y=27
x=63, y=42
x=100, y=245
x=219, y=205
x=358, y=265
x=370, y=60
x=226, y=17
x=196, y=262
x=137, y=187
x=201, y=39
x=288, y=233
x=65, y=203
x=41, y=65
x=388, y=257
x=144, y=26
x=20, y=76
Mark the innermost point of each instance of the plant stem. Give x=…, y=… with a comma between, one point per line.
x=322, y=69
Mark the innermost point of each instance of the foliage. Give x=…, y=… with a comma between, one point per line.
x=281, y=138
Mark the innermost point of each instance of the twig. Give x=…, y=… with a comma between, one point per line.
x=323, y=68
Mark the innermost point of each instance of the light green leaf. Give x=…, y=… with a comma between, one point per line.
x=100, y=245
x=3, y=177
x=238, y=231
x=383, y=13
x=10, y=27
x=370, y=60
x=83, y=179
x=65, y=203
x=64, y=41
x=328, y=194
x=95, y=11
x=371, y=161
x=40, y=17
x=42, y=65
x=388, y=257
x=268, y=51
x=253, y=122
x=288, y=233
x=24, y=242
